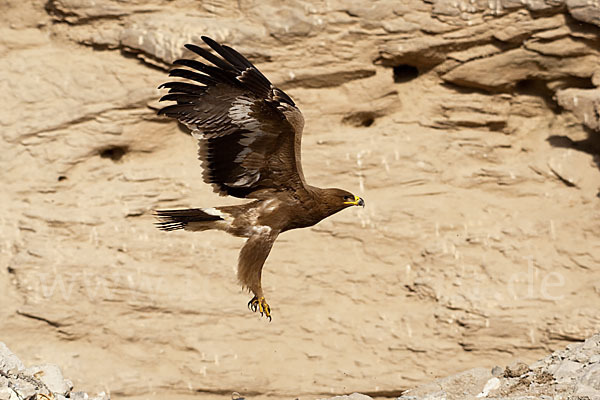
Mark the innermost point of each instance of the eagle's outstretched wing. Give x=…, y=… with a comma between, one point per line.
x=249, y=131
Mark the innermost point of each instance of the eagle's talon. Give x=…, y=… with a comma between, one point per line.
x=260, y=305
x=253, y=304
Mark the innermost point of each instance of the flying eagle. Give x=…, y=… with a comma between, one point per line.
x=249, y=135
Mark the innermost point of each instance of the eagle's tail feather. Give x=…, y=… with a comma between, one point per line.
x=170, y=220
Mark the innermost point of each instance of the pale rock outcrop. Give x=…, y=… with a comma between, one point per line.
x=565, y=374
x=43, y=381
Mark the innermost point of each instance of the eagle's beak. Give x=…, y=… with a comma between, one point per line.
x=357, y=202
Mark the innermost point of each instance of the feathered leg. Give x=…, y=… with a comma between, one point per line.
x=250, y=264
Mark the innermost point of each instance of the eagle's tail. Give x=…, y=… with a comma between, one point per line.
x=191, y=218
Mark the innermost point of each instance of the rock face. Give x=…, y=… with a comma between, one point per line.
x=507, y=46
x=470, y=128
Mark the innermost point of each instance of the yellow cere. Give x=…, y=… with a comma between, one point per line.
x=355, y=202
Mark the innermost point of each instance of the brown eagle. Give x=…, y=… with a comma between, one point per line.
x=249, y=135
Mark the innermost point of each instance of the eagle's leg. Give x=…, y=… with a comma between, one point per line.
x=251, y=260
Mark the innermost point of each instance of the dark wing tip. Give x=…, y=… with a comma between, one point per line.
x=208, y=41
x=166, y=97
x=179, y=97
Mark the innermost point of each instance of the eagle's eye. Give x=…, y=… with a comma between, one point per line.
x=348, y=198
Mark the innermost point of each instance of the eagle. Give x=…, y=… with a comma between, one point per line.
x=249, y=135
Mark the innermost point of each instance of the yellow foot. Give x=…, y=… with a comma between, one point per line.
x=260, y=304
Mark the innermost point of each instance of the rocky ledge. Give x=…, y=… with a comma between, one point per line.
x=573, y=374
x=39, y=382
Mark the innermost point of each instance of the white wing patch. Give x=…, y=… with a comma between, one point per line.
x=246, y=180
x=239, y=113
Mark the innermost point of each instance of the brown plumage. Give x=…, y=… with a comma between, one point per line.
x=249, y=134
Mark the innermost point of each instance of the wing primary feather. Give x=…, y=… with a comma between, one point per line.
x=250, y=72
x=179, y=111
x=194, y=76
x=227, y=55
x=280, y=94
x=216, y=74
x=197, y=65
x=238, y=63
x=179, y=97
x=183, y=87
x=207, y=55
x=234, y=55
x=256, y=86
x=213, y=45
x=247, y=63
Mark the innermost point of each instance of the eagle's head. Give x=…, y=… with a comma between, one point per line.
x=338, y=199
